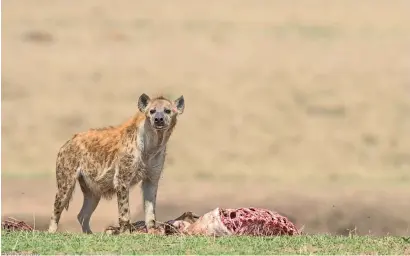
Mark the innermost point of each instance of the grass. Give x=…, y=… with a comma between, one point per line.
x=70, y=243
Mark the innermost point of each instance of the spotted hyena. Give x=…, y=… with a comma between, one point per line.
x=109, y=161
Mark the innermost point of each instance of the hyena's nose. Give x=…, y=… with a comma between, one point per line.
x=159, y=120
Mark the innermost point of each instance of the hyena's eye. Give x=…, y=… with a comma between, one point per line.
x=152, y=111
x=167, y=111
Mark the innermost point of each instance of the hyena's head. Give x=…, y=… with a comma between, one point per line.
x=161, y=112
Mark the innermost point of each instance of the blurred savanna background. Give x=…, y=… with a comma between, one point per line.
x=302, y=107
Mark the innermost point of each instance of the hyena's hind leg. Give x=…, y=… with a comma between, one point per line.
x=90, y=203
x=66, y=180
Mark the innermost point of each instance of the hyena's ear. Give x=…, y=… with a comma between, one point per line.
x=143, y=102
x=179, y=105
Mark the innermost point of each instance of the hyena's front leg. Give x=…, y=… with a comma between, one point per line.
x=123, y=209
x=149, y=191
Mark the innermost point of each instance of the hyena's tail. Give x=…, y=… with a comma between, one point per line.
x=66, y=182
x=69, y=195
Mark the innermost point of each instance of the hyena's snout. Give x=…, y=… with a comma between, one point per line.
x=159, y=119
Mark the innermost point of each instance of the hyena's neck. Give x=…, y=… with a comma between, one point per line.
x=150, y=141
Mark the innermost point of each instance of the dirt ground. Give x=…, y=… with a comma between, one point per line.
x=359, y=212
x=296, y=106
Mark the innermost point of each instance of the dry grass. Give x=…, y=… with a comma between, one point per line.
x=310, y=95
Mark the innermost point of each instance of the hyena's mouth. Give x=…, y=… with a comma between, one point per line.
x=160, y=127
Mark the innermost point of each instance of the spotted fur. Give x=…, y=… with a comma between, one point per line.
x=107, y=162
